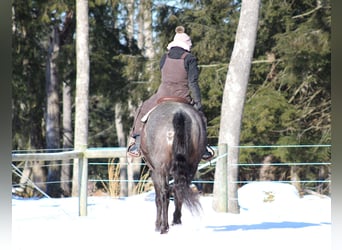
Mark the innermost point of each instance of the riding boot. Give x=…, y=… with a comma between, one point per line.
x=208, y=153
x=134, y=147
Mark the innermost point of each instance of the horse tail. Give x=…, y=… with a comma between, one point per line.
x=182, y=170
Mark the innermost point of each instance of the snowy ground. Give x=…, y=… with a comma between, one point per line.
x=272, y=216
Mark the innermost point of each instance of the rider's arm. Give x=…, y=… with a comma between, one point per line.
x=193, y=73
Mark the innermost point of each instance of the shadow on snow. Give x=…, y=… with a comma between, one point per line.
x=265, y=226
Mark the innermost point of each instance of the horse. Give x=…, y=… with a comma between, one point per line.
x=173, y=141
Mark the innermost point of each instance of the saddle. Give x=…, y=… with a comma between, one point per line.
x=164, y=99
x=172, y=99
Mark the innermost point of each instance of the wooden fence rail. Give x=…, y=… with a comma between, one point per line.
x=82, y=165
x=117, y=152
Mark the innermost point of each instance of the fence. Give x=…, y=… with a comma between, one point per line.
x=98, y=153
x=82, y=165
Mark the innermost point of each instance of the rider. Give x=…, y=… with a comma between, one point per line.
x=179, y=73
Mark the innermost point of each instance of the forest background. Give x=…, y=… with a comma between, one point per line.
x=288, y=99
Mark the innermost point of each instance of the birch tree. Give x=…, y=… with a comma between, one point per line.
x=233, y=105
x=67, y=139
x=146, y=31
x=145, y=37
x=130, y=6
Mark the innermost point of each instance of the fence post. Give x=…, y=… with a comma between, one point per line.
x=83, y=184
x=220, y=199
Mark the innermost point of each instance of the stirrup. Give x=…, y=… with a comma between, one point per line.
x=133, y=152
x=208, y=154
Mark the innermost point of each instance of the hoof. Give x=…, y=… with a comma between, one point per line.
x=177, y=222
x=162, y=230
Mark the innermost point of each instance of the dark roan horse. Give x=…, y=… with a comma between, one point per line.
x=172, y=144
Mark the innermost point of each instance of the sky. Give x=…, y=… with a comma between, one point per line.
x=272, y=216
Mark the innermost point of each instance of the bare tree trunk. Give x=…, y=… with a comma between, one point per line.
x=147, y=24
x=324, y=175
x=130, y=21
x=267, y=171
x=234, y=98
x=52, y=114
x=32, y=177
x=122, y=143
x=38, y=178
x=133, y=174
x=113, y=176
x=295, y=178
x=38, y=173
x=26, y=175
x=67, y=140
x=145, y=35
x=148, y=51
x=119, y=126
x=123, y=177
x=141, y=35
x=82, y=87
x=129, y=172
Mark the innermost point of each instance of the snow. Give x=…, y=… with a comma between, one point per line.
x=272, y=216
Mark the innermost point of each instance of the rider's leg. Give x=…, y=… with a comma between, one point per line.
x=134, y=145
x=209, y=152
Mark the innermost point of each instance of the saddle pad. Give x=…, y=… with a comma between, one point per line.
x=145, y=117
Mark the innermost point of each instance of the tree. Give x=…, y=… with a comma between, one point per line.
x=28, y=74
x=61, y=33
x=145, y=24
x=130, y=7
x=28, y=65
x=66, y=173
x=233, y=102
x=52, y=112
x=289, y=95
x=82, y=87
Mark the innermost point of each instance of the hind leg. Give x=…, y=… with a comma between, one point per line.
x=165, y=208
x=159, y=210
x=177, y=214
x=162, y=202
